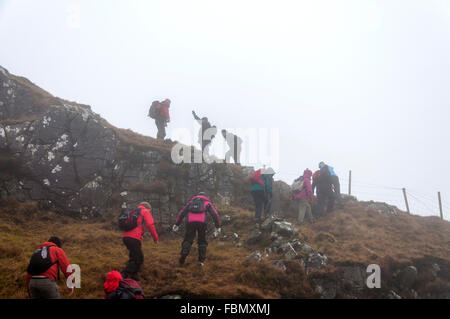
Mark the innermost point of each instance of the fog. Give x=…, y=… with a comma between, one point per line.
x=361, y=85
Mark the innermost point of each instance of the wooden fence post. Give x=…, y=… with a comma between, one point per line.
x=440, y=205
x=406, y=200
x=350, y=182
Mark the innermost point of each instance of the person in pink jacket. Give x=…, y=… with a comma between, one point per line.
x=304, y=198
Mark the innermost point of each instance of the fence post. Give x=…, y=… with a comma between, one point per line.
x=406, y=200
x=440, y=205
x=350, y=182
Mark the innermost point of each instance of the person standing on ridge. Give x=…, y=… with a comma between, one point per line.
x=195, y=212
x=43, y=270
x=325, y=195
x=235, y=144
x=159, y=111
x=205, y=127
x=132, y=239
x=304, y=197
x=258, y=193
x=267, y=177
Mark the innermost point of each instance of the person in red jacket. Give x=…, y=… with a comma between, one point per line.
x=162, y=118
x=43, y=272
x=133, y=241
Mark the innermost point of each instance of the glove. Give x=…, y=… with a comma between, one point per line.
x=217, y=232
x=175, y=228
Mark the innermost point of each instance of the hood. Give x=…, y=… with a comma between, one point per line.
x=268, y=171
x=307, y=173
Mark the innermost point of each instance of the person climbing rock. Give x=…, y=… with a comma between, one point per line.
x=336, y=184
x=196, y=211
x=325, y=194
x=43, y=270
x=267, y=177
x=304, y=197
x=159, y=111
x=132, y=239
x=235, y=146
x=258, y=193
x=206, y=133
x=118, y=288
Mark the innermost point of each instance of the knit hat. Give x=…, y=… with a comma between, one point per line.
x=56, y=241
x=112, y=281
x=146, y=204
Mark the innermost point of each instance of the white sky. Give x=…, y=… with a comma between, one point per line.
x=361, y=85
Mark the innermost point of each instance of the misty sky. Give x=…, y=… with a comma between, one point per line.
x=361, y=85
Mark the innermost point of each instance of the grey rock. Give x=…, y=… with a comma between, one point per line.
x=171, y=297
x=254, y=237
x=279, y=263
x=306, y=249
x=316, y=260
x=255, y=256
x=408, y=277
x=284, y=228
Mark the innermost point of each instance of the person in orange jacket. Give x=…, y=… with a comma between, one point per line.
x=43, y=272
x=133, y=241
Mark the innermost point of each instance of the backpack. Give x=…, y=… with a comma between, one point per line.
x=128, y=289
x=153, y=112
x=128, y=219
x=297, y=186
x=197, y=205
x=255, y=178
x=40, y=261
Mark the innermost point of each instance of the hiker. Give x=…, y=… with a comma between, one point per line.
x=132, y=239
x=43, y=270
x=196, y=222
x=235, y=144
x=159, y=111
x=267, y=177
x=303, y=195
x=336, y=184
x=118, y=288
x=325, y=195
x=258, y=193
x=205, y=139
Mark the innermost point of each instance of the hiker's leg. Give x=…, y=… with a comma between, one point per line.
x=237, y=158
x=228, y=156
x=202, y=243
x=301, y=211
x=320, y=203
x=268, y=205
x=161, y=129
x=331, y=196
x=309, y=212
x=135, y=256
x=258, y=204
x=188, y=240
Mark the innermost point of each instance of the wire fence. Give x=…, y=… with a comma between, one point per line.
x=419, y=202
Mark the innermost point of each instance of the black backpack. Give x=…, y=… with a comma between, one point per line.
x=128, y=219
x=153, y=111
x=197, y=205
x=40, y=261
x=128, y=289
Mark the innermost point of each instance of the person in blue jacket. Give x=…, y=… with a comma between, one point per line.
x=335, y=182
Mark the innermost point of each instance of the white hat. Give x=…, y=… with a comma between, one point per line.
x=269, y=171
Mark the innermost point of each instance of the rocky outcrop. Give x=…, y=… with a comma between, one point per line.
x=71, y=160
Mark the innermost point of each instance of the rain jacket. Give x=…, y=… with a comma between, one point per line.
x=306, y=192
x=163, y=111
x=199, y=217
x=144, y=218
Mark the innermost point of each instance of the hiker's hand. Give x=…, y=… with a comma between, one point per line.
x=175, y=228
x=70, y=291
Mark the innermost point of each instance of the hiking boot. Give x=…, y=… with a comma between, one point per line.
x=182, y=259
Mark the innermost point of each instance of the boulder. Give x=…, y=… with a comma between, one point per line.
x=254, y=237
x=316, y=260
x=255, y=256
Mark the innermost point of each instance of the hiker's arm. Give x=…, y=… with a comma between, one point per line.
x=181, y=214
x=195, y=116
x=63, y=262
x=149, y=222
x=214, y=214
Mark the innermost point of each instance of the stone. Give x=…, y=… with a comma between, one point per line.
x=306, y=249
x=284, y=228
x=255, y=256
x=254, y=237
x=279, y=264
x=408, y=277
x=316, y=260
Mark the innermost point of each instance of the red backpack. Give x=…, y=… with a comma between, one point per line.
x=255, y=178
